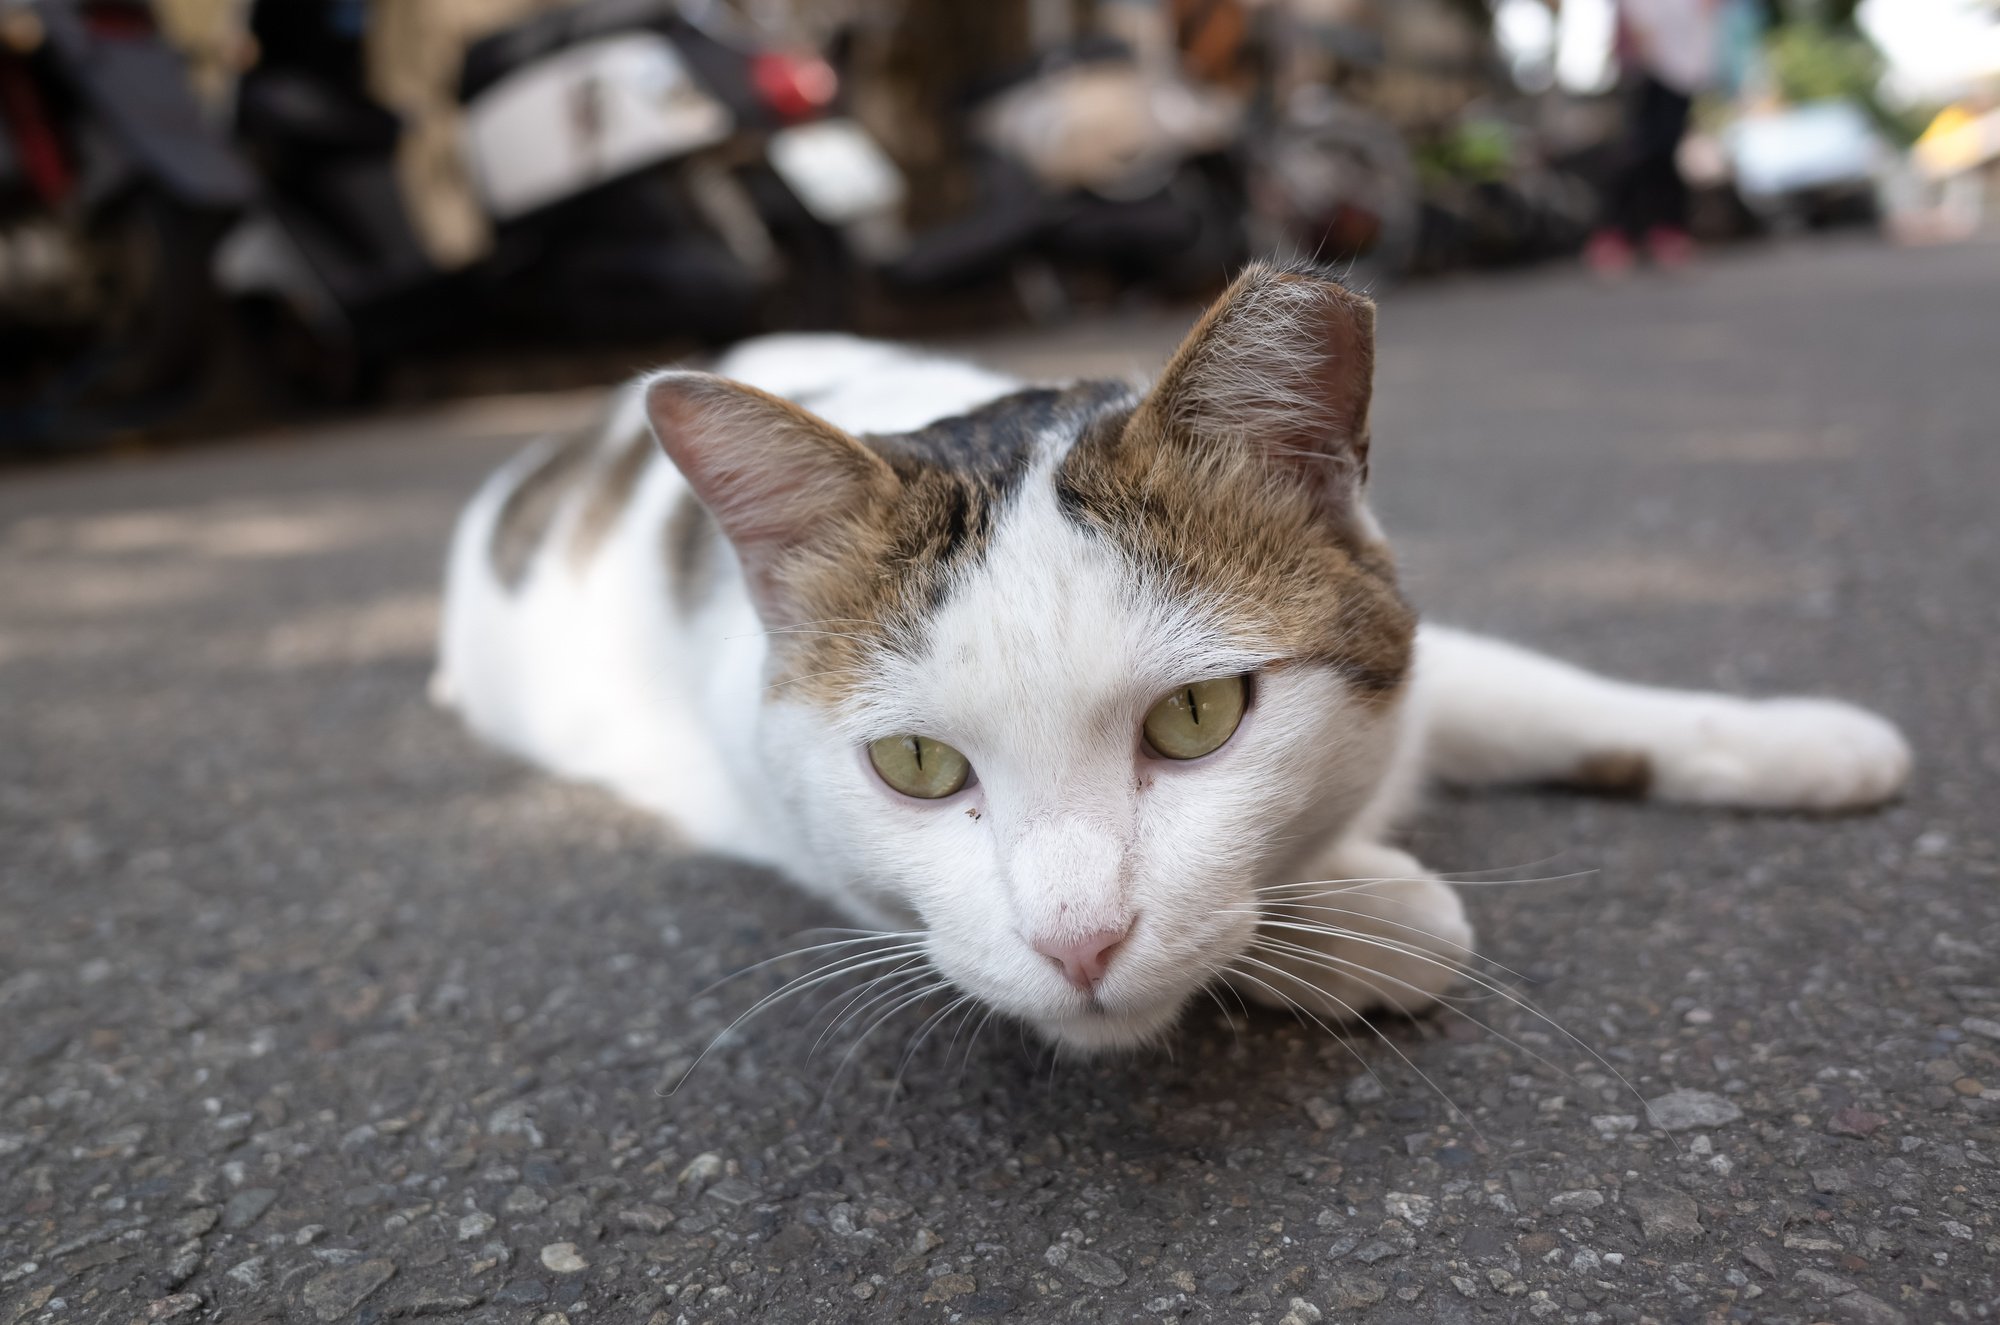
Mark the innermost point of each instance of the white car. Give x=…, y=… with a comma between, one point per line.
x=1810, y=164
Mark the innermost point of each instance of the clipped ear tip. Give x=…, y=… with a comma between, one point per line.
x=1273, y=270
x=1336, y=300
x=1286, y=357
x=1299, y=303
x=673, y=395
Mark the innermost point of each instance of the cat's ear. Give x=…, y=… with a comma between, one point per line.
x=784, y=484
x=1283, y=364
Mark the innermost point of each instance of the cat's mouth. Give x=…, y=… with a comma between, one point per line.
x=1118, y=1016
x=1136, y=1003
x=1096, y=1028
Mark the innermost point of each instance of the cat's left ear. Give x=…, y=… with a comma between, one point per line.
x=1283, y=365
x=787, y=487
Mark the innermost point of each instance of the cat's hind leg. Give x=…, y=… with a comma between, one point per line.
x=1374, y=932
x=1495, y=713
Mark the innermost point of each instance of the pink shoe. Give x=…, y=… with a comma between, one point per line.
x=1608, y=253
x=1670, y=248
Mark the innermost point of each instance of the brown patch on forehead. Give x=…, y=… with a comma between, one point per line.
x=898, y=554
x=1214, y=520
x=530, y=509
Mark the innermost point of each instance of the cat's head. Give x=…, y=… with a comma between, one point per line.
x=1066, y=679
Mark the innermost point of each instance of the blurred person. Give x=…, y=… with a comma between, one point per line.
x=1669, y=50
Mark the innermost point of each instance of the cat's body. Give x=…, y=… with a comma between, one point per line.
x=1024, y=577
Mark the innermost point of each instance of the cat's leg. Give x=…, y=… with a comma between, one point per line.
x=1371, y=931
x=1497, y=713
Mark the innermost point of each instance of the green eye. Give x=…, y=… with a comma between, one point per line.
x=918, y=766
x=1196, y=719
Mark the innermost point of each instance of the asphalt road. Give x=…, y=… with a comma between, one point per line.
x=312, y=1009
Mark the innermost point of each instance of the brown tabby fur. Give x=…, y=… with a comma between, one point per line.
x=1259, y=525
x=1242, y=495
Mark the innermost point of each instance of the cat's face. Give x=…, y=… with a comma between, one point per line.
x=1064, y=681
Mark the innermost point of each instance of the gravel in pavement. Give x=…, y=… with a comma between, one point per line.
x=312, y=1009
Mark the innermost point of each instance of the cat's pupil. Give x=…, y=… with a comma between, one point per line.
x=1194, y=709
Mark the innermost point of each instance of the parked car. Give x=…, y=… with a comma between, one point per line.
x=1811, y=165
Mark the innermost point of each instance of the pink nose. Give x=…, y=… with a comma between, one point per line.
x=1083, y=960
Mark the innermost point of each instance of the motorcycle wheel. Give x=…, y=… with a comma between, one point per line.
x=819, y=283
x=159, y=310
x=1221, y=242
x=151, y=315
x=288, y=367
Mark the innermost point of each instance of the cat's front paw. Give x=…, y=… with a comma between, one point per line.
x=1393, y=944
x=1783, y=754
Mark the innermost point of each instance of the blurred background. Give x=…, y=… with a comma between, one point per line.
x=214, y=213
x=313, y=1007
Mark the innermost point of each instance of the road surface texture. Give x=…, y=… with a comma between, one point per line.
x=311, y=1009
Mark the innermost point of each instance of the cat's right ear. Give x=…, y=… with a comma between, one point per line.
x=784, y=484
x=1282, y=368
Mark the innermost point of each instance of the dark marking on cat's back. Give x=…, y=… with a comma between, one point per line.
x=530, y=508
x=1615, y=773
x=610, y=494
x=689, y=544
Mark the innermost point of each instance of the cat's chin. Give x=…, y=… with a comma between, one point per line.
x=1107, y=1031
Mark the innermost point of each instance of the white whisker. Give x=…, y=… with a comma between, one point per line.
x=800, y=952
x=1304, y=1013
x=881, y=1020
x=1377, y=1032
x=1460, y=969
x=860, y=1007
x=818, y=976
x=922, y=1033
x=1283, y=916
x=1364, y=973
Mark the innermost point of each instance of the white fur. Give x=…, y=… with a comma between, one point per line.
x=1040, y=668
x=1503, y=714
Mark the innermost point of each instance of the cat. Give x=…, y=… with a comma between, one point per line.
x=1090, y=695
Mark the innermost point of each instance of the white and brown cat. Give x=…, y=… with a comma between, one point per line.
x=1093, y=694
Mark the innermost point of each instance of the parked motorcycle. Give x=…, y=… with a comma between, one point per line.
x=647, y=169
x=112, y=193
x=1085, y=158
x=689, y=109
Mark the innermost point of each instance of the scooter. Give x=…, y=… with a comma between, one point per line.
x=647, y=170
x=609, y=99
x=113, y=191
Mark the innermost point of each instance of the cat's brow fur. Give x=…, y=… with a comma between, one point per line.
x=1213, y=521
x=894, y=558
x=1167, y=477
